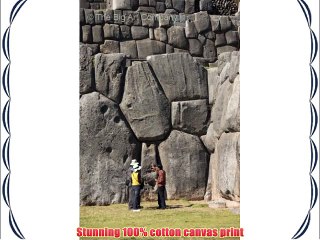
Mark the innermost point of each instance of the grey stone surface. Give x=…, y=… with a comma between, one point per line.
x=190, y=116
x=97, y=34
x=110, y=46
x=202, y=21
x=139, y=32
x=189, y=6
x=178, y=5
x=148, y=157
x=215, y=23
x=226, y=48
x=86, y=34
x=210, y=140
x=186, y=163
x=89, y=16
x=180, y=76
x=149, y=47
x=86, y=70
x=148, y=20
x=177, y=37
x=125, y=32
x=129, y=48
x=209, y=50
x=151, y=34
x=82, y=17
x=220, y=40
x=226, y=168
x=191, y=31
x=98, y=16
x=206, y=5
x=109, y=74
x=230, y=121
x=213, y=84
x=143, y=9
x=225, y=23
x=107, y=146
x=160, y=7
x=111, y=31
x=234, y=65
x=195, y=47
x=160, y=34
x=108, y=16
x=164, y=20
x=169, y=48
x=121, y=4
x=168, y=3
x=131, y=18
x=208, y=194
x=144, y=105
x=232, y=38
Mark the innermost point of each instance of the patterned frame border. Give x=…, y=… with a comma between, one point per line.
x=314, y=121
x=6, y=117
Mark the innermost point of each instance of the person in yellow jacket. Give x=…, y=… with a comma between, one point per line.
x=136, y=187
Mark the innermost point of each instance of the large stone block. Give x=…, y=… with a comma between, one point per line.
x=210, y=51
x=149, y=47
x=86, y=34
x=121, y=4
x=206, y=5
x=190, y=6
x=148, y=157
x=138, y=32
x=195, y=47
x=190, y=116
x=111, y=31
x=177, y=37
x=220, y=40
x=164, y=20
x=148, y=20
x=109, y=72
x=180, y=76
x=230, y=121
x=97, y=34
x=86, y=70
x=213, y=84
x=185, y=161
x=144, y=105
x=131, y=18
x=110, y=46
x=160, y=34
x=125, y=32
x=232, y=38
x=202, y=21
x=178, y=5
x=107, y=146
x=226, y=168
x=89, y=16
x=129, y=48
x=225, y=23
x=160, y=7
x=191, y=30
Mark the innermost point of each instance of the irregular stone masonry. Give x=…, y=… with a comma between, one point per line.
x=145, y=95
x=140, y=34
x=221, y=7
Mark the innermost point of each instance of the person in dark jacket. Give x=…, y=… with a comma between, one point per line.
x=161, y=182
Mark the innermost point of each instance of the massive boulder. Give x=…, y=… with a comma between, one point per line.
x=185, y=161
x=190, y=116
x=226, y=168
x=86, y=69
x=109, y=71
x=180, y=76
x=144, y=104
x=107, y=146
x=149, y=47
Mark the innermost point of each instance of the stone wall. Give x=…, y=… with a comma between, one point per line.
x=147, y=93
x=220, y=7
x=140, y=34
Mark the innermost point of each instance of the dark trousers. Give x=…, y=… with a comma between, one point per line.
x=130, y=202
x=136, y=197
x=161, y=197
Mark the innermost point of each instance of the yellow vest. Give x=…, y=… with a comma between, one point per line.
x=135, y=179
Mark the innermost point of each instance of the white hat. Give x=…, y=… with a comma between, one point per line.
x=133, y=162
x=137, y=168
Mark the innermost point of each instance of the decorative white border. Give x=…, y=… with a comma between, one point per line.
x=6, y=118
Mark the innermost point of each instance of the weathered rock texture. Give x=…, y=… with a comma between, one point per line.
x=151, y=25
x=107, y=146
x=186, y=162
x=144, y=104
x=180, y=76
x=159, y=82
